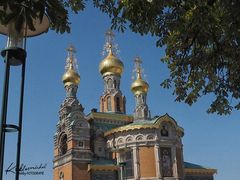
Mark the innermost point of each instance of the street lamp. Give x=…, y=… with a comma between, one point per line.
x=14, y=54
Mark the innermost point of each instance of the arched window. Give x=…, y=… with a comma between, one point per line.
x=63, y=144
x=118, y=104
x=146, y=112
x=109, y=83
x=102, y=105
x=124, y=102
x=61, y=176
x=139, y=113
x=129, y=164
x=115, y=84
x=164, y=131
x=109, y=106
x=138, y=99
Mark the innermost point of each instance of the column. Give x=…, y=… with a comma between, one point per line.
x=136, y=163
x=175, y=170
x=120, y=172
x=158, y=161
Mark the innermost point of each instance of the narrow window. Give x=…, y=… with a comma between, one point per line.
x=129, y=164
x=109, y=83
x=80, y=143
x=164, y=131
x=118, y=104
x=61, y=176
x=109, y=106
x=63, y=144
x=102, y=105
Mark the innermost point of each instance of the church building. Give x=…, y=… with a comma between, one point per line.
x=109, y=144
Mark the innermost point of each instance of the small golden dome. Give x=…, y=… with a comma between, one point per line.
x=139, y=86
x=111, y=65
x=71, y=77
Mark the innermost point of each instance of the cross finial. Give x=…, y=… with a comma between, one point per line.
x=71, y=50
x=138, y=68
x=71, y=60
x=110, y=36
x=110, y=46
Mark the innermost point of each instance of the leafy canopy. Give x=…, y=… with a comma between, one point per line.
x=201, y=38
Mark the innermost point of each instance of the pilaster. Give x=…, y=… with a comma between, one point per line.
x=158, y=161
x=136, y=163
x=174, y=158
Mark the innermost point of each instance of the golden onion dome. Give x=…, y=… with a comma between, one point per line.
x=139, y=86
x=111, y=65
x=71, y=77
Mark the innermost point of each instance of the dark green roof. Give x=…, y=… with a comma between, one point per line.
x=111, y=116
x=194, y=166
x=105, y=126
x=142, y=122
x=103, y=162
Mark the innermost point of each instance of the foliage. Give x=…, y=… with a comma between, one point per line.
x=202, y=44
x=201, y=38
x=20, y=11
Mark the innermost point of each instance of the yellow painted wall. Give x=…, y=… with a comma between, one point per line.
x=66, y=169
x=72, y=171
x=147, y=162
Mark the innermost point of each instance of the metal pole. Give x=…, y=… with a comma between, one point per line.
x=20, y=121
x=4, y=113
x=18, y=158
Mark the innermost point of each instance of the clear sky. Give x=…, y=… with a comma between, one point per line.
x=210, y=140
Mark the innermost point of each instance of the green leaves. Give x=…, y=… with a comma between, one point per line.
x=202, y=44
x=202, y=39
x=26, y=11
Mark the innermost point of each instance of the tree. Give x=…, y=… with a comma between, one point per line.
x=201, y=38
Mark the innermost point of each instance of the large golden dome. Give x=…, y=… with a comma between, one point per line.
x=111, y=65
x=71, y=77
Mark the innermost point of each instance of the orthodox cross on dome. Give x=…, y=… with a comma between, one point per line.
x=138, y=69
x=110, y=45
x=109, y=36
x=71, y=62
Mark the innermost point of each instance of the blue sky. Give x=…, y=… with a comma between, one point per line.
x=210, y=140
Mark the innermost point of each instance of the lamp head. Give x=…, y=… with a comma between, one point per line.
x=16, y=38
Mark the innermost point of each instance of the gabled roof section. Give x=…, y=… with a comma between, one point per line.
x=167, y=118
x=155, y=123
x=110, y=116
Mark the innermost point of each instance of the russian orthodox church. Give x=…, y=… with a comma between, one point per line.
x=111, y=145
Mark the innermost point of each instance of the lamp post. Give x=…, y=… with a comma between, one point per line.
x=14, y=54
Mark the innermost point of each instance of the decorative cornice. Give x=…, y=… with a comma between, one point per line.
x=111, y=116
x=132, y=127
x=200, y=171
x=136, y=127
x=92, y=167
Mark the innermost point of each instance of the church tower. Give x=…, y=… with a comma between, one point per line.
x=72, y=139
x=140, y=88
x=111, y=69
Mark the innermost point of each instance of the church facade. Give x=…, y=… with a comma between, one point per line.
x=111, y=145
